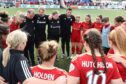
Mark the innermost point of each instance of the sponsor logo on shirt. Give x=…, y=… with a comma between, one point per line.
x=55, y=27
x=58, y=21
x=41, y=22
x=32, y=21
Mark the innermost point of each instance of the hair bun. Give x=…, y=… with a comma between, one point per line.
x=50, y=50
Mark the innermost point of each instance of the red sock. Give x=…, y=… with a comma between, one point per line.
x=77, y=50
x=73, y=49
x=80, y=50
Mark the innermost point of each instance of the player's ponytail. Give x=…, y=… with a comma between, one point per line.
x=90, y=22
x=100, y=16
x=103, y=58
x=6, y=56
x=93, y=39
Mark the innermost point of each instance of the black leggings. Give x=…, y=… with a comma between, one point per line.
x=65, y=42
x=29, y=51
x=56, y=38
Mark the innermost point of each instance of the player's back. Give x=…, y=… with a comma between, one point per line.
x=47, y=74
x=83, y=67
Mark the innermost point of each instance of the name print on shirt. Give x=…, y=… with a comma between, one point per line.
x=44, y=76
x=99, y=64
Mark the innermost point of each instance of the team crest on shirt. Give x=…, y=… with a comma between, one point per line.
x=58, y=22
x=64, y=18
x=44, y=18
x=70, y=19
x=72, y=67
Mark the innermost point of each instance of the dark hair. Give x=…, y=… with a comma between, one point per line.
x=69, y=9
x=105, y=19
x=119, y=19
x=55, y=12
x=100, y=16
x=4, y=16
x=93, y=39
x=90, y=22
x=4, y=29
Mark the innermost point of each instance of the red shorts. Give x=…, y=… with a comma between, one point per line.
x=75, y=38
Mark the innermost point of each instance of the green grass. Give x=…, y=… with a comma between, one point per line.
x=110, y=13
x=64, y=63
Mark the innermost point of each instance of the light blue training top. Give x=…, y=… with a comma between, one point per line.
x=105, y=32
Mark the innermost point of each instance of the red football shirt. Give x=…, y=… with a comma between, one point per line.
x=83, y=67
x=122, y=70
x=113, y=27
x=98, y=26
x=4, y=45
x=76, y=27
x=13, y=26
x=47, y=74
x=85, y=26
x=111, y=51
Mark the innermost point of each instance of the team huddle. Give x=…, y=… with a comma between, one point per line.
x=104, y=45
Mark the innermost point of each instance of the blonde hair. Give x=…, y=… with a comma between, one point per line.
x=41, y=8
x=77, y=16
x=20, y=15
x=13, y=40
x=118, y=38
x=48, y=50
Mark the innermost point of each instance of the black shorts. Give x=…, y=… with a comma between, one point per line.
x=56, y=38
x=39, y=40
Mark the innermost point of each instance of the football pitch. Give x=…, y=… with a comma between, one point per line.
x=64, y=63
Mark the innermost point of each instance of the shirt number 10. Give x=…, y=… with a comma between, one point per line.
x=94, y=79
